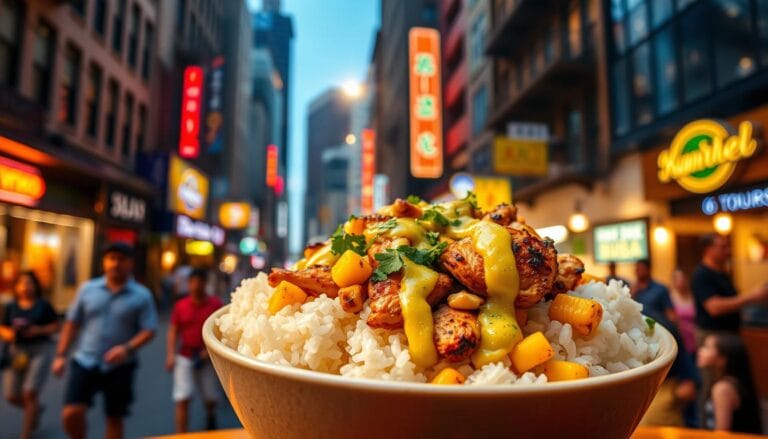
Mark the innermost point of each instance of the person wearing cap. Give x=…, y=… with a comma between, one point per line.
x=111, y=318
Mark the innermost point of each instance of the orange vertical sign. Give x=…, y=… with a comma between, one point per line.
x=271, y=165
x=425, y=103
x=368, y=169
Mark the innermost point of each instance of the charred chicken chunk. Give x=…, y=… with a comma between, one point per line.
x=456, y=333
x=402, y=209
x=536, y=261
x=569, y=271
x=385, y=300
x=313, y=280
x=503, y=214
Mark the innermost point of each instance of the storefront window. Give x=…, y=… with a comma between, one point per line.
x=666, y=72
x=642, y=90
x=621, y=121
x=733, y=46
x=696, y=63
x=58, y=248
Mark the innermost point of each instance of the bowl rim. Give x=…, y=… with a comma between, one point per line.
x=665, y=357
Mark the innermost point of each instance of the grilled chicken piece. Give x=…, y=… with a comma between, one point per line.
x=313, y=280
x=385, y=300
x=401, y=209
x=313, y=248
x=569, y=271
x=536, y=261
x=353, y=298
x=504, y=215
x=381, y=244
x=456, y=334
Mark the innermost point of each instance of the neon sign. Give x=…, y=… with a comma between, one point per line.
x=368, y=168
x=425, y=103
x=704, y=154
x=271, y=165
x=191, y=99
x=19, y=183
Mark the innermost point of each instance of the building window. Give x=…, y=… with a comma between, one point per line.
x=117, y=26
x=642, y=90
x=477, y=41
x=666, y=72
x=621, y=119
x=42, y=63
x=575, y=135
x=734, y=49
x=79, y=6
x=574, y=29
x=142, y=130
x=617, y=16
x=133, y=35
x=113, y=93
x=92, y=98
x=70, y=84
x=100, y=17
x=638, y=20
x=146, y=52
x=127, y=125
x=696, y=63
x=11, y=25
x=479, y=110
x=662, y=11
x=429, y=13
x=181, y=15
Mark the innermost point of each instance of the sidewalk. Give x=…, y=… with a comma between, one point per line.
x=152, y=411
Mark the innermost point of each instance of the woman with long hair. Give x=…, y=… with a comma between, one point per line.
x=732, y=403
x=27, y=325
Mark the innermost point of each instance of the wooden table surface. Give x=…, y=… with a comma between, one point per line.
x=640, y=433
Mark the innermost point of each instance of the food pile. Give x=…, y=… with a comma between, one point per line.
x=441, y=293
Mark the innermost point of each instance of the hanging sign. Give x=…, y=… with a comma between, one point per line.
x=425, y=103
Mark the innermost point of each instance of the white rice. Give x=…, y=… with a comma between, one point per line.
x=319, y=335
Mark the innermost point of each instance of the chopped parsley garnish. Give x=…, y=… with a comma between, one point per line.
x=386, y=225
x=471, y=198
x=650, y=322
x=342, y=241
x=438, y=218
x=391, y=261
x=413, y=199
x=433, y=238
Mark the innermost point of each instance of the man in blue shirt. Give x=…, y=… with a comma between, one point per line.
x=114, y=316
x=654, y=296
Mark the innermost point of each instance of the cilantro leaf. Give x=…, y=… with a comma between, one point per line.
x=426, y=257
x=342, y=241
x=433, y=238
x=386, y=225
x=650, y=322
x=471, y=198
x=438, y=218
x=413, y=199
x=389, y=262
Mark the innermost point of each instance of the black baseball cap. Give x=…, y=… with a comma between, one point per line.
x=119, y=247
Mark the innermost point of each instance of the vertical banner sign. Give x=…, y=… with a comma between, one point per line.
x=192, y=93
x=214, y=104
x=271, y=165
x=368, y=168
x=425, y=103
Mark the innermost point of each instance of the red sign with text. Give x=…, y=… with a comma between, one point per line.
x=368, y=169
x=191, y=100
x=425, y=103
x=272, y=165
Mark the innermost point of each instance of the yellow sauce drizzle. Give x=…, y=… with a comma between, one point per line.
x=323, y=256
x=418, y=281
x=498, y=326
x=406, y=228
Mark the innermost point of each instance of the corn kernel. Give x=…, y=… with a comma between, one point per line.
x=584, y=315
x=448, y=375
x=558, y=370
x=530, y=352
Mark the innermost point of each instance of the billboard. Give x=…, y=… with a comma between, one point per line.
x=425, y=103
x=187, y=189
x=191, y=101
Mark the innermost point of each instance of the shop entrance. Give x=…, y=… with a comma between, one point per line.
x=688, y=252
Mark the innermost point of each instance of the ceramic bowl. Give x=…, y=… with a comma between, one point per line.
x=275, y=401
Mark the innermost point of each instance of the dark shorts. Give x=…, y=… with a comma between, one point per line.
x=116, y=385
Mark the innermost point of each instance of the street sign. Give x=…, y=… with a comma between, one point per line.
x=621, y=242
x=425, y=103
x=492, y=191
x=520, y=157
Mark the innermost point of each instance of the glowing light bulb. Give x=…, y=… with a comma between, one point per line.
x=661, y=235
x=723, y=223
x=578, y=222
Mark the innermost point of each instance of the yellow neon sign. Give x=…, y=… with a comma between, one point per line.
x=704, y=154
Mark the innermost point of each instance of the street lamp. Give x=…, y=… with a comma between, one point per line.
x=578, y=222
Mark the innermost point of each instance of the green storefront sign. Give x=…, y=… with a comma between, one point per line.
x=621, y=242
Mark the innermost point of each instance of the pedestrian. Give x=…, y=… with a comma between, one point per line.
x=27, y=324
x=654, y=296
x=191, y=364
x=612, y=274
x=731, y=404
x=112, y=317
x=685, y=310
x=717, y=303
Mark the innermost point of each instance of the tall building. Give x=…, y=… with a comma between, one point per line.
x=328, y=125
x=273, y=30
x=453, y=27
x=480, y=85
x=391, y=61
x=76, y=81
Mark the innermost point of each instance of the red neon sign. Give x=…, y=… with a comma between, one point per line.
x=426, y=103
x=271, y=165
x=191, y=100
x=368, y=169
x=20, y=183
